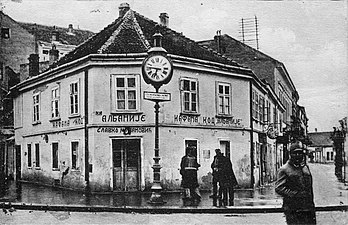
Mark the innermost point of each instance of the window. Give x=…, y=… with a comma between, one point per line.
x=189, y=95
x=5, y=32
x=74, y=98
x=55, y=102
x=126, y=94
x=74, y=153
x=261, y=108
x=224, y=98
x=267, y=112
x=37, y=155
x=29, y=155
x=45, y=52
x=54, y=155
x=36, y=107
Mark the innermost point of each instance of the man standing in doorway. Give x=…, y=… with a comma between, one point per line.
x=228, y=182
x=188, y=171
x=217, y=168
x=294, y=184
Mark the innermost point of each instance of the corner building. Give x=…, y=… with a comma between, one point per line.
x=85, y=122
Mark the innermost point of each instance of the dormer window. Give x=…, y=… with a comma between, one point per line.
x=5, y=32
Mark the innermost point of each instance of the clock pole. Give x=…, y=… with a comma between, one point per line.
x=156, y=195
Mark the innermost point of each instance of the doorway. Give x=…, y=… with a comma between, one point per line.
x=126, y=164
x=18, y=162
x=225, y=148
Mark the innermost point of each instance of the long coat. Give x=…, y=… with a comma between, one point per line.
x=188, y=171
x=294, y=184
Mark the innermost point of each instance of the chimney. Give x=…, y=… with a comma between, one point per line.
x=164, y=19
x=33, y=65
x=70, y=29
x=123, y=8
x=53, y=55
x=217, y=39
x=55, y=35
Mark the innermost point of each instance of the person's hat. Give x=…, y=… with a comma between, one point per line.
x=297, y=146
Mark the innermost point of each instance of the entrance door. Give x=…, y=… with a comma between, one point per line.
x=18, y=162
x=126, y=164
x=225, y=148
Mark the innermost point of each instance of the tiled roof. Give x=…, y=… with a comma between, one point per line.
x=262, y=64
x=133, y=33
x=320, y=139
x=44, y=33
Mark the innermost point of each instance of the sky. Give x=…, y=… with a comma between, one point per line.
x=308, y=37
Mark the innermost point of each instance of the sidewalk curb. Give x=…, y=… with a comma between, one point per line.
x=159, y=209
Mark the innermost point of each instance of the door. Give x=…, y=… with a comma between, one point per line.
x=225, y=148
x=126, y=164
x=18, y=162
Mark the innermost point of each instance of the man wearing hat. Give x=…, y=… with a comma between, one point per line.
x=294, y=184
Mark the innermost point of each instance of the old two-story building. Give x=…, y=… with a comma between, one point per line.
x=290, y=120
x=20, y=42
x=85, y=122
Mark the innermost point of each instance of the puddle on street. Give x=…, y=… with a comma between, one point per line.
x=38, y=194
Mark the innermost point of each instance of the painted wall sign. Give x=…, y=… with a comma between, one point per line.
x=205, y=120
x=122, y=118
x=121, y=130
x=67, y=123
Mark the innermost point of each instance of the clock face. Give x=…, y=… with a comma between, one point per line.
x=157, y=68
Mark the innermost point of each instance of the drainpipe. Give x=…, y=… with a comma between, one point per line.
x=87, y=166
x=252, y=180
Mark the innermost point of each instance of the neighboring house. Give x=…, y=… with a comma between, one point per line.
x=18, y=43
x=291, y=123
x=84, y=123
x=322, y=147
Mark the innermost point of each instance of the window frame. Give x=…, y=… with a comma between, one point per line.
x=55, y=110
x=75, y=96
x=37, y=155
x=55, y=156
x=36, y=107
x=30, y=160
x=224, y=96
x=126, y=89
x=190, y=92
x=7, y=34
x=77, y=154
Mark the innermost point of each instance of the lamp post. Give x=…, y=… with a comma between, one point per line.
x=157, y=69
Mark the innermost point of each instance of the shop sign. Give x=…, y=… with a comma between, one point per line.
x=272, y=131
x=123, y=130
x=206, y=120
x=157, y=96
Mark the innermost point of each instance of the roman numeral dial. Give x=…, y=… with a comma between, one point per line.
x=157, y=68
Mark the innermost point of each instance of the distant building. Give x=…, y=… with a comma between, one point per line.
x=20, y=42
x=322, y=147
x=86, y=123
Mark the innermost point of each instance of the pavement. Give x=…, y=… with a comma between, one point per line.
x=26, y=203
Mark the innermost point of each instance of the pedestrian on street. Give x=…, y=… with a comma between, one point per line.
x=294, y=184
x=228, y=182
x=217, y=168
x=188, y=170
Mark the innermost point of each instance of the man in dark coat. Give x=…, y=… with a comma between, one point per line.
x=188, y=171
x=228, y=183
x=294, y=184
x=217, y=168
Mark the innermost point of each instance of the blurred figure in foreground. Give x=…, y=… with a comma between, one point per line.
x=294, y=184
